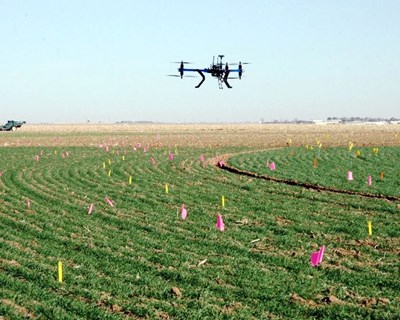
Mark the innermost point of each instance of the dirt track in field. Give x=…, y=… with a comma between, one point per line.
x=202, y=135
x=305, y=184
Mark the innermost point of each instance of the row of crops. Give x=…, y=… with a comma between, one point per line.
x=139, y=258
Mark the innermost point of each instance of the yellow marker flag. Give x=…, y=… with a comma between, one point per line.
x=109, y=161
x=104, y=165
x=109, y=173
x=130, y=179
x=123, y=158
x=370, y=228
x=60, y=272
x=223, y=201
x=166, y=188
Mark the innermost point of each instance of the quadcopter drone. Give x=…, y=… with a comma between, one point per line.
x=217, y=70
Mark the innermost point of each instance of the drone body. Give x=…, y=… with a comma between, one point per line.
x=217, y=70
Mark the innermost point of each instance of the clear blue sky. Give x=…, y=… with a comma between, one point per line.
x=78, y=60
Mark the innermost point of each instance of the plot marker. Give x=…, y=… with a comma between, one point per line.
x=272, y=166
x=349, y=176
x=60, y=271
x=109, y=201
x=316, y=257
x=220, y=223
x=183, y=212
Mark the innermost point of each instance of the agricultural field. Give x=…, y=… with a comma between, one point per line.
x=106, y=201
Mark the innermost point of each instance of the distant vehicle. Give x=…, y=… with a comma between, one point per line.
x=12, y=125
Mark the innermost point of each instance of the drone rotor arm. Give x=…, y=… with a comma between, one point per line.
x=239, y=71
x=194, y=70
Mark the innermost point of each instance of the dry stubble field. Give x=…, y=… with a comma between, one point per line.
x=198, y=135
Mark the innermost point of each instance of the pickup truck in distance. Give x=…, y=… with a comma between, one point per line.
x=12, y=125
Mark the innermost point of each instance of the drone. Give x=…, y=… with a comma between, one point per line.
x=217, y=70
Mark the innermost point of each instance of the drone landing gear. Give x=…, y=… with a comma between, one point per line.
x=225, y=80
x=202, y=80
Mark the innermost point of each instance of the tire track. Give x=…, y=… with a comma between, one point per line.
x=222, y=165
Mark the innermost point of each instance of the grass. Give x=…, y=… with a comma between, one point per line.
x=123, y=261
x=329, y=166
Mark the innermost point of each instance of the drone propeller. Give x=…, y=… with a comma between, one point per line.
x=185, y=62
x=178, y=76
x=234, y=64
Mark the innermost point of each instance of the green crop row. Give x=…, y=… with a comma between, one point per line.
x=124, y=260
x=329, y=167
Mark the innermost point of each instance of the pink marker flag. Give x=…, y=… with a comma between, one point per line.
x=1, y=173
x=108, y=200
x=272, y=166
x=90, y=208
x=171, y=156
x=369, y=180
x=316, y=257
x=37, y=158
x=202, y=159
x=220, y=224
x=183, y=212
x=349, y=176
x=153, y=161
